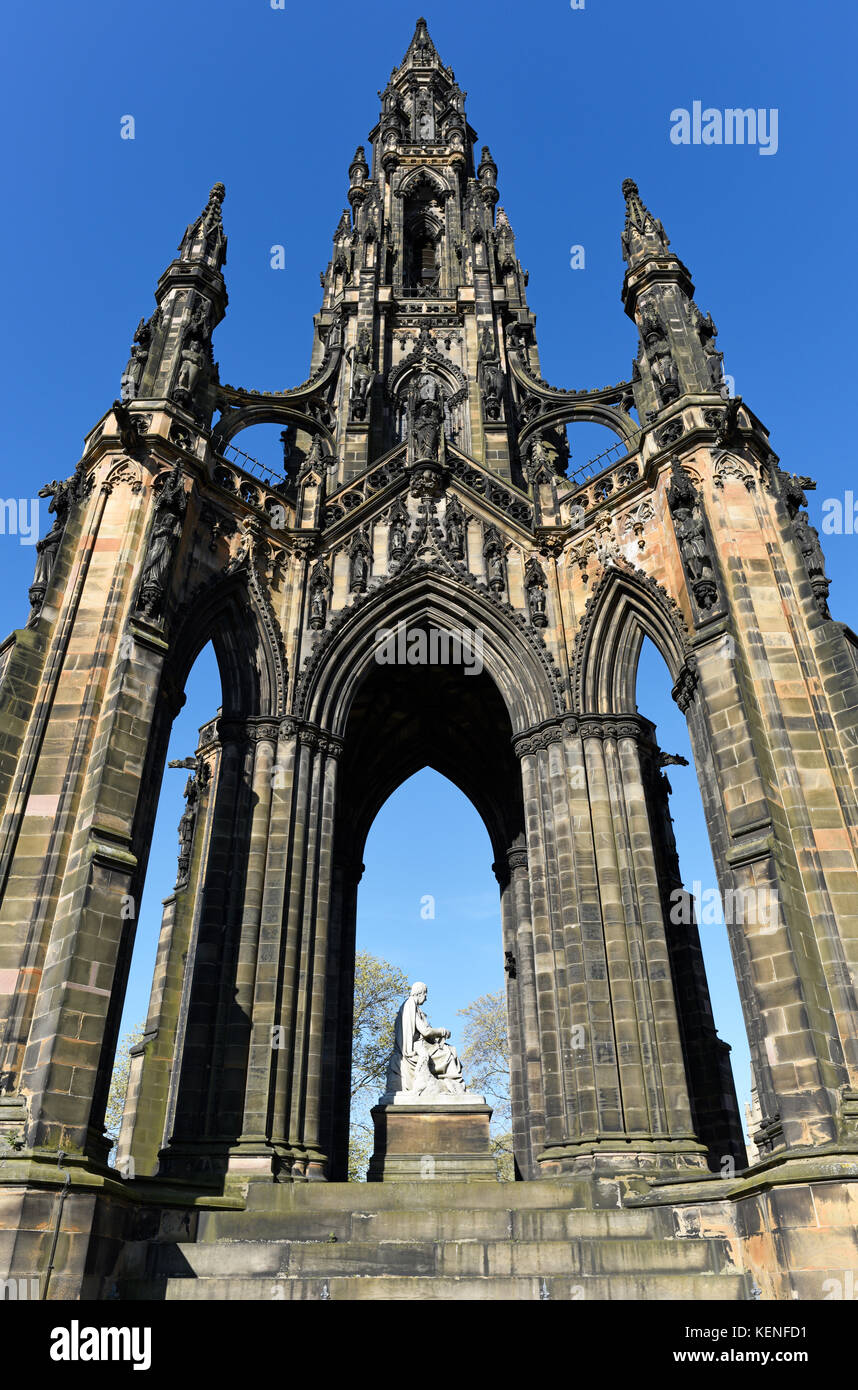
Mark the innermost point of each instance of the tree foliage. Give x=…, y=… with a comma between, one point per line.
x=379, y=990
x=119, y=1082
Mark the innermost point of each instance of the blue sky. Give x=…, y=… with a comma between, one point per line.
x=571, y=101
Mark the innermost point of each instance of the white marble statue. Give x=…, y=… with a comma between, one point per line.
x=423, y=1065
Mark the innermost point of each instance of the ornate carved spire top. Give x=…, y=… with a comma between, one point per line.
x=204, y=239
x=421, y=52
x=641, y=229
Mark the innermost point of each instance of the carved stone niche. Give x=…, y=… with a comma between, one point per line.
x=692, y=536
x=535, y=585
x=320, y=588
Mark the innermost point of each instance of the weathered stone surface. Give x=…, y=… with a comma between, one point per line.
x=424, y=484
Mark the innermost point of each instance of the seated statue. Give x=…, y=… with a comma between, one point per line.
x=423, y=1063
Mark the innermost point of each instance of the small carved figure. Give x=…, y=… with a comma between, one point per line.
x=665, y=377
x=362, y=375
x=714, y=363
x=133, y=374
x=62, y=494
x=455, y=531
x=490, y=376
x=359, y=574
x=318, y=608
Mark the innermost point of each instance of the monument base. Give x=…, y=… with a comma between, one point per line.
x=443, y=1140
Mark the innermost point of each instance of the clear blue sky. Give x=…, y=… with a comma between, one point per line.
x=273, y=102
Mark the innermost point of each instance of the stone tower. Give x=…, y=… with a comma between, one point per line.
x=425, y=486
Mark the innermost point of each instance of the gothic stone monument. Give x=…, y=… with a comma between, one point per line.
x=425, y=482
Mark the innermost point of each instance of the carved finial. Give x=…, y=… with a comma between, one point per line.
x=640, y=223
x=421, y=50
x=204, y=239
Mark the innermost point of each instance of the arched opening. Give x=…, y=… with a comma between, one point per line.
x=187, y=1076
x=422, y=260
x=404, y=718
x=174, y=830
x=266, y=451
x=428, y=908
x=592, y=447
x=627, y=609
x=423, y=221
x=685, y=842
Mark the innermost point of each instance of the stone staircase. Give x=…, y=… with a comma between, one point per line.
x=433, y=1240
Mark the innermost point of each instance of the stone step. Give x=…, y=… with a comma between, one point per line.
x=318, y=1197
x=465, y=1223
x=447, y=1258
x=640, y=1288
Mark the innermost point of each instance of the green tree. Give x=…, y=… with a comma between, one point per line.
x=119, y=1084
x=379, y=990
x=485, y=1063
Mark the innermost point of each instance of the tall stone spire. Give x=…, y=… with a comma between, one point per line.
x=171, y=356
x=677, y=352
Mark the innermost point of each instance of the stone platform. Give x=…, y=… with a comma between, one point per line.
x=445, y=1139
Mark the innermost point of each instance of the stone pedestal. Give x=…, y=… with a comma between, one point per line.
x=447, y=1139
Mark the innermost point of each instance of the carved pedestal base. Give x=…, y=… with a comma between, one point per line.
x=447, y=1139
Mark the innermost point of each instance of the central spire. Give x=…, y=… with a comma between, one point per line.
x=421, y=52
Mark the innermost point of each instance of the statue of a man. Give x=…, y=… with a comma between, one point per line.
x=692, y=542
x=422, y=1061
x=363, y=375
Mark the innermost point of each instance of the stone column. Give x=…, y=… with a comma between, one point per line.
x=247, y=1065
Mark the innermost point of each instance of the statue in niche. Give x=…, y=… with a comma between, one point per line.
x=714, y=363
x=490, y=375
x=424, y=118
x=194, y=358
x=318, y=609
x=320, y=584
x=166, y=532
x=427, y=388
x=398, y=534
x=359, y=566
x=426, y=416
x=362, y=375
x=684, y=504
x=455, y=524
x=665, y=376
x=692, y=542
x=133, y=374
x=423, y=1062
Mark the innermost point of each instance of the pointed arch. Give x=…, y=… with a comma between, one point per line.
x=626, y=606
x=515, y=658
x=424, y=180
x=232, y=613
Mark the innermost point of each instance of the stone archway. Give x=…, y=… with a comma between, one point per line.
x=194, y=1048
x=388, y=722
